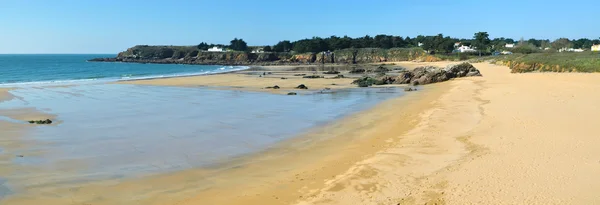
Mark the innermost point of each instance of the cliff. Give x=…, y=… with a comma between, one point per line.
x=191, y=55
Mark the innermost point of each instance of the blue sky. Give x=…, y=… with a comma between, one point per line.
x=110, y=26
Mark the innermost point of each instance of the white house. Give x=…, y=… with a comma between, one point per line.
x=465, y=49
x=457, y=44
x=258, y=50
x=596, y=47
x=420, y=44
x=509, y=45
x=215, y=49
x=578, y=50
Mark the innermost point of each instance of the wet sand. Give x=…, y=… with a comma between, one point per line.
x=4, y=94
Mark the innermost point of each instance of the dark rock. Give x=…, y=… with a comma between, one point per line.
x=403, y=78
x=301, y=86
x=312, y=76
x=20, y=155
x=381, y=69
x=339, y=76
x=365, y=81
x=274, y=87
x=299, y=74
x=292, y=93
x=409, y=89
x=429, y=74
x=382, y=80
x=357, y=70
x=41, y=122
x=331, y=72
x=462, y=70
x=283, y=78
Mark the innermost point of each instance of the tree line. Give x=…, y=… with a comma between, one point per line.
x=433, y=44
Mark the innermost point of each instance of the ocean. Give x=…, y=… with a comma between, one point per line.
x=116, y=132
x=36, y=69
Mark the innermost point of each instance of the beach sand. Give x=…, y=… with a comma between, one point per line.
x=498, y=139
x=4, y=94
x=250, y=81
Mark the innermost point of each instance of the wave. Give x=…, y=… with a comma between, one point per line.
x=122, y=77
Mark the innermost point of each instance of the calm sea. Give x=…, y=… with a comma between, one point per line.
x=69, y=69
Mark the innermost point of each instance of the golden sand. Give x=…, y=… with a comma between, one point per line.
x=252, y=82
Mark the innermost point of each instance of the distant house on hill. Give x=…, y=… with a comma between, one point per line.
x=465, y=49
x=258, y=50
x=577, y=50
x=509, y=45
x=596, y=47
x=457, y=44
x=215, y=49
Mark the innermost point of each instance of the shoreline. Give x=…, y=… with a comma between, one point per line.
x=312, y=145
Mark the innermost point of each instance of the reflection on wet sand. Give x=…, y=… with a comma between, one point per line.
x=114, y=133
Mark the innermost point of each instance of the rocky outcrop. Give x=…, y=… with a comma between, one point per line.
x=422, y=75
x=191, y=55
x=430, y=74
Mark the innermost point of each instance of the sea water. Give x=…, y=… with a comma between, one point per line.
x=20, y=70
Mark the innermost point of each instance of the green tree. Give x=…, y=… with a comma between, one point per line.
x=282, y=46
x=481, y=40
x=267, y=49
x=238, y=45
x=561, y=43
x=203, y=46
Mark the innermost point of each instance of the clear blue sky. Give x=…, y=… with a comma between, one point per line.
x=110, y=26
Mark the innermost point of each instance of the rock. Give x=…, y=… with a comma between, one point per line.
x=40, y=122
x=331, y=72
x=327, y=88
x=274, y=87
x=301, y=86
x=462, y=70
x=357, y=70
x=299, y=74
x=381, y=69
x=382, y=80
x=292, y=93
x=365, y=81
x=20, y=155
x=312, y=76
x=429, y=74
x=339, y=76
x=283, y=78
x=409, y=89
x=403, y=78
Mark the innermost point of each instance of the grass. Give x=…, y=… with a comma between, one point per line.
x=566, y=61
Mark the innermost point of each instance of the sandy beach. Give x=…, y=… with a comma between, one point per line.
x=498, y=139
x=254, y=81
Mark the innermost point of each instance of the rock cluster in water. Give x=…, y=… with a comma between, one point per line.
x=41, y=122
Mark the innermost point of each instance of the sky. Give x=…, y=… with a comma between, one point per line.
x=111, y=26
